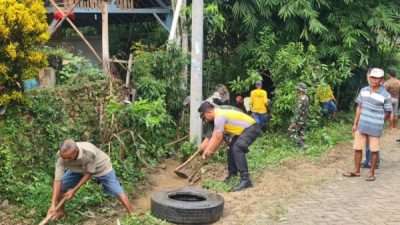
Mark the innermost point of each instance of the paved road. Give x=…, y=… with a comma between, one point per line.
x=353, y=201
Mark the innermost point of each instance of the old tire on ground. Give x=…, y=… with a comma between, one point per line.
x=187, y=206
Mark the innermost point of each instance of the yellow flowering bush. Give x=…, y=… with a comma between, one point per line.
x=23, y=31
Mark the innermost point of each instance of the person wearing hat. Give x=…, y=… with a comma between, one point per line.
x=373, y=106
x=299, y=119
x=243, y=129
x=258, y=104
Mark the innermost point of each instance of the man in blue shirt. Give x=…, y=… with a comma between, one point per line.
x=374, y=105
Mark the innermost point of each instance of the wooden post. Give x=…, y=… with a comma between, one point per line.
x=70, y=10
x=184, y=44
x=77, y=30
x=177, y=11
x=196, y=80
x=52, y=26
x=104, y=39
x=128, y=71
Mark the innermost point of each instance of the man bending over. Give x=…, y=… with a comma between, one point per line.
x=82, y=161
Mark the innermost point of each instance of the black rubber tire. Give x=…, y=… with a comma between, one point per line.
x=206, y=211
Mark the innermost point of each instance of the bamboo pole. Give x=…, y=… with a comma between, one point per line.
x=105, y=38
x=77, y=30
x=70, y=10
x=128, y=71
x=172, y=32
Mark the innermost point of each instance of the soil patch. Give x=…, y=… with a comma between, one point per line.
x=274, y=187
x=160, y=178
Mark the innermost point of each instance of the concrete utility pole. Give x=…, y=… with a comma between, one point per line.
x=196, y=79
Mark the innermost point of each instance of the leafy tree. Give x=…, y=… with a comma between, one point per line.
x=301, y=40
x=23, y=29
x=158, y=74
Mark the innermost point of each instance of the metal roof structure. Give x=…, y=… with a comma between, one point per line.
x=79, y=10
x=87, y=11
x=115, y=6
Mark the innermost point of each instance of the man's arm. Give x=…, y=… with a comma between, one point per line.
x=70, y=193
x=55, y=196
x=251, y=101
x=213, y=144
x=58, y=174
x=204, y=144
x=389, y=112
x=356, y=118
x=390, y=116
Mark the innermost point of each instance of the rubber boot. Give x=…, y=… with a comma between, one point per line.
x=229, y=177
x=301, y=145
x=245, y=182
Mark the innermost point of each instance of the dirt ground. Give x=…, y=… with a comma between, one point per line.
x=273, y=188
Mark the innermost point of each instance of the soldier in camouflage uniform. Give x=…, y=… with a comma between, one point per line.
x=298, y=122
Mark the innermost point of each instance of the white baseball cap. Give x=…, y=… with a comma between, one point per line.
x=376, y=72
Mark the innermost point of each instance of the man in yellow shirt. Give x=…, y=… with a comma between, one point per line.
x=258, y=104
x=327, y=99
x=244, y=130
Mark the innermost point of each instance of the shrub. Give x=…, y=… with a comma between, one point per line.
x=23, y=29
x=73, y=67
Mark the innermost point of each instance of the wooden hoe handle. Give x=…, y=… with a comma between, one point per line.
x=189, y=160
x=48, y=217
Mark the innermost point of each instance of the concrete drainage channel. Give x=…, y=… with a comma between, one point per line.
x=188, y=205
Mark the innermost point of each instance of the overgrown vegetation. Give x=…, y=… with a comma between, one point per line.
x=72, y=68
x=84, y=108
x=284, y=42
x=31, y=135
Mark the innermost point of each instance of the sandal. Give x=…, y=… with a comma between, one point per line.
x=351, y=174
x=371, y=178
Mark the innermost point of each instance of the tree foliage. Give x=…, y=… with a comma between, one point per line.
x=312, y=41
x=23, y=29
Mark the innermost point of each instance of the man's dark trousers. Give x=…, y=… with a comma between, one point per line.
x=238, y=148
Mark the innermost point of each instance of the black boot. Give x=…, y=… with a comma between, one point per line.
x=229, y=177
x=245, y=182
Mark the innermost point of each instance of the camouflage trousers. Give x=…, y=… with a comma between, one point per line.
x=296, y=133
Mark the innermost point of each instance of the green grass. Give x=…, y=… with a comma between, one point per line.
x=273, y=148
x=146, y=219
x=217, y=185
